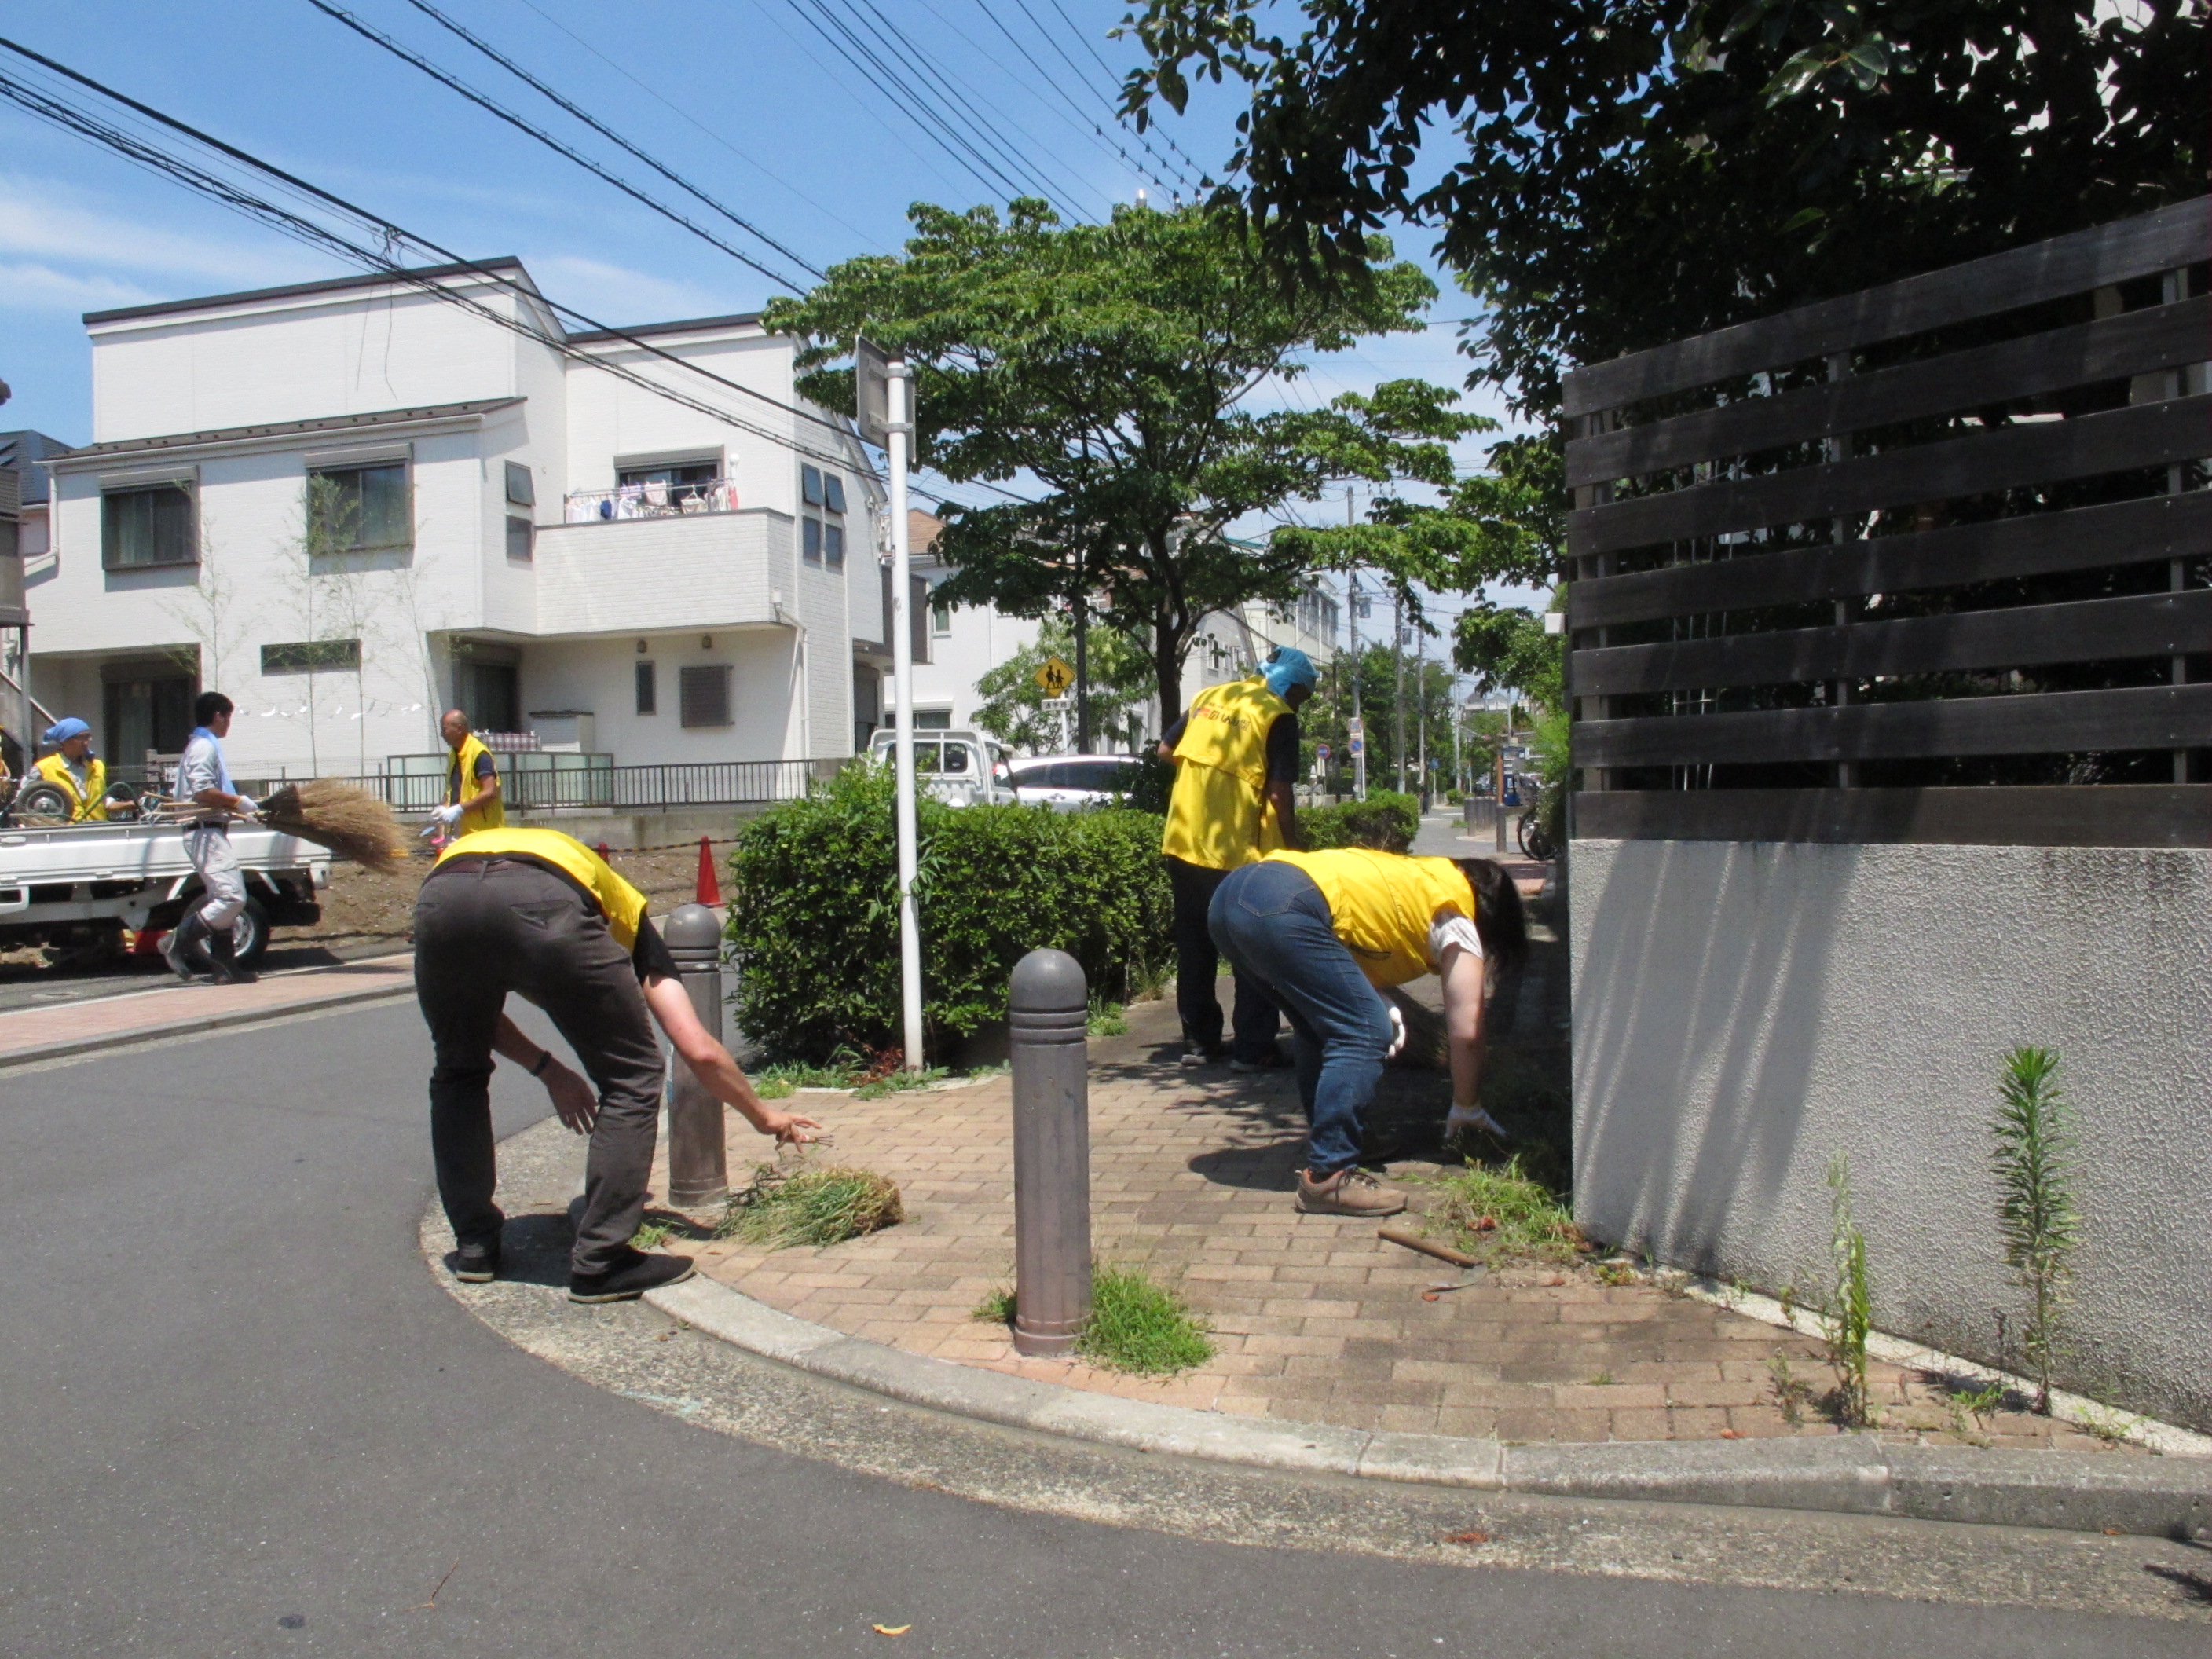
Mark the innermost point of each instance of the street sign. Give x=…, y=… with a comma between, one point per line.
x=1054, y=676
x=1321, y=752
x=871, y=391
x=1356, y=737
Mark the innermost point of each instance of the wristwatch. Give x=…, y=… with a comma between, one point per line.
x=544, y=1059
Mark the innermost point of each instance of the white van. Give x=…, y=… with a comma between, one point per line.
x=961, y=768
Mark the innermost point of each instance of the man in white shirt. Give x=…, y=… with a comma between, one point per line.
x=202, y=942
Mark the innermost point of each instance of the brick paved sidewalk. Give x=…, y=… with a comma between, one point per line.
x=1315, y=1319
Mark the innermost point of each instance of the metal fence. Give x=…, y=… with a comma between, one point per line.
x=599, y=789
x=1926, y=562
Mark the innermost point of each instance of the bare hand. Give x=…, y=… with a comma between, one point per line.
x=573, y=1097
x=789, y=1128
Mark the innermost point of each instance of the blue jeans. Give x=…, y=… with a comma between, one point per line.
x=1272, y=922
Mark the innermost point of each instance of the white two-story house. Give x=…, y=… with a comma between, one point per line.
x=351, y=504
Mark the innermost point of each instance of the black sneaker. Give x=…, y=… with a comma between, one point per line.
x=477, y=1264
x=1273, y=1059
x=629, y=1278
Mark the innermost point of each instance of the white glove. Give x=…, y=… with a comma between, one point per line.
x=1397, y=1031
x=448, y=816
x=248, y=807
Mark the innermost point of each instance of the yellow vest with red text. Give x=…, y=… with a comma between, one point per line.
x=90, y=806
x=1383, y=905
x=622, y=904
x=1218, y=816
x=461, y=783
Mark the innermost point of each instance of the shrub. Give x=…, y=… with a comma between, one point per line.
x=1386, y=820
x=814, y=918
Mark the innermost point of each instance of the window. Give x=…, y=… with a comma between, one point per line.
x=311, y=656
x=648, y=690
x=932, y=719
x=833, y=545
x=521, y=491
x=152, y=711
x=704, y=692
x=940, y=614
x=810, y=485
x=521, y=536
x=149, y=526
x=490, y=694
x=833, y=488
x=810, y=538
x=358, y=509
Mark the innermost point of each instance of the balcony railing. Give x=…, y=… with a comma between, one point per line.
x=649, y=500
x=593, y=787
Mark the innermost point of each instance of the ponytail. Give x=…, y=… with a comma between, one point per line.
x=1498, y=917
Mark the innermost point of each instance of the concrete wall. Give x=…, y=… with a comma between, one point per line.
x=1742, y=1011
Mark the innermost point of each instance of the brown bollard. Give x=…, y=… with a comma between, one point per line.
x=698, y=1166
x=1050, y=1011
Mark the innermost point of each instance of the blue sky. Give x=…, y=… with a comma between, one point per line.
x=741, y=95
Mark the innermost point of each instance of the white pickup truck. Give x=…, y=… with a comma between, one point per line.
x=74, y=888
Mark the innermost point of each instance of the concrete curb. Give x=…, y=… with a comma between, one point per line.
x=87, y=1045
x=1853, y=1475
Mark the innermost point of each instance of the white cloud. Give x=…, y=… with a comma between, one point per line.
x=41, y=287
x=37, y=222
x=616, y=294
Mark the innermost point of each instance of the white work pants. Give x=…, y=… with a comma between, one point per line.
x=208, y=846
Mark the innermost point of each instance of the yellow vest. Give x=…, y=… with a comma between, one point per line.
x=55, y=769
x=461, y=782
x=1218, y=815
x=622, y=904
x=1383, y=905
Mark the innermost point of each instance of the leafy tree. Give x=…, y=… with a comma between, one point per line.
x=1634, y=172
x=1014, y=712
x=1506, y=648
x=1111, y=364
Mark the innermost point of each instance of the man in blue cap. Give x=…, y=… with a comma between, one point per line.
x=1235, y=754
x=74, y=770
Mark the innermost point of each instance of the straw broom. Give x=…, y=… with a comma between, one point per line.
x=351, y=822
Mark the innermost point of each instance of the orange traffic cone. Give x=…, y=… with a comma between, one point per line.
x=602, y=850
x=710, y=891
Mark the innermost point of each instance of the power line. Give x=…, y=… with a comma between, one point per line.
x=813, y=203
x=1083, y=79
x=547, y=139
x=897, y=41
x=1097, y=58
x=608, y=133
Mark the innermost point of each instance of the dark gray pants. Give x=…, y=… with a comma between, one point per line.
x=1198, y=962
x=507, y=925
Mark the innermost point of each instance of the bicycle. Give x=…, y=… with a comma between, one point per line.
x=1536, y=835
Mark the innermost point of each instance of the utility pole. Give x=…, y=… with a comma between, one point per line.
x=1359, y=753
x=1082, y=610
x=1421, y=736
x=1398, y=670
x=883, y=388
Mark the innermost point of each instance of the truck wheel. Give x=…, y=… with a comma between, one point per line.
x=249, y=934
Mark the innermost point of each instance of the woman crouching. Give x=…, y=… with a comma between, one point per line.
x=1328, y=933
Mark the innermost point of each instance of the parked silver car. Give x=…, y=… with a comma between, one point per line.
x=961, y=768
x=1068, y=782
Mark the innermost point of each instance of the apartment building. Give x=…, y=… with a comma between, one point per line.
x=351, y=504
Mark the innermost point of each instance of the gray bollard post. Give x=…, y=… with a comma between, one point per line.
x=698, y=1166
x=1049, y=1011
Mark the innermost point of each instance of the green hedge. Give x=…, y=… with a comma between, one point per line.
x=1385, y=820
x=814, y=918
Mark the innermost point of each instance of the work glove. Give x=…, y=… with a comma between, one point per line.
x=248, y=807
x=448, y=816
x=1397, y=1031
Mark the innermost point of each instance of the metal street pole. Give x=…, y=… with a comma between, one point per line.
x=899, y=430
x=1421, y=722
x=1359, y=753
x=1398, y=669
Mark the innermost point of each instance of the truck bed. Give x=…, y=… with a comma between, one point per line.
x=139, y=852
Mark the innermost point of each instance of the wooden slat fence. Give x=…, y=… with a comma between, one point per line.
x=1931, y=562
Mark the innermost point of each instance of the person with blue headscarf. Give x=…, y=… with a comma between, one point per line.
x=74, y=770
x=1235, y=756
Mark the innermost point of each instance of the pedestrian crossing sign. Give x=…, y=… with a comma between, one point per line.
x=1054, y=676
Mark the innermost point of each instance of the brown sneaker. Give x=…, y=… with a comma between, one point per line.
x=1348, y=1192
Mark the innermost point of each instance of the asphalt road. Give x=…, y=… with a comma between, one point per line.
x=238, y=1415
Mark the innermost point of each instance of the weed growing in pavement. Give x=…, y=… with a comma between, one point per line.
x=2036, y=1217
x=1602, y=1380
x=892, y=1082
x=996, y=1309
x=1979, y=1404
x=1847, y=1313
x=1140, y=1327
x=2111, y=1427
x=1616, y=1272
x=1790, y=1393
x=656, y=1231
x=1108, y=1019
x=787, y=1206
x=1502, y=1215
x=774, y=1088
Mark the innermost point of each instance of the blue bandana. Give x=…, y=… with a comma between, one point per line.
x=1290, y=667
